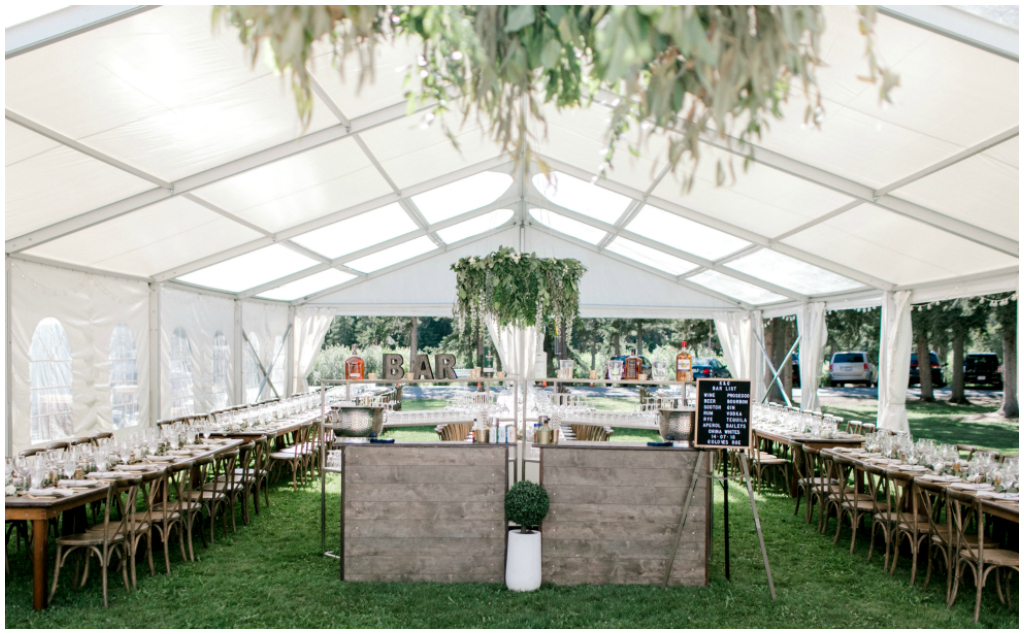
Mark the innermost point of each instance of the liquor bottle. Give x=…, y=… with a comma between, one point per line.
x=488, y=364
x=684, y=365
x=355, y=368
x=632, y=367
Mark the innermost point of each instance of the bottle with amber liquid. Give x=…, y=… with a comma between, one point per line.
x=684, y=365
x=632, y=367
x=355, y=368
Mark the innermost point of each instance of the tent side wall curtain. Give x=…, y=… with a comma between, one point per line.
x=810, y=323
x=738, y=334
x=89, y=307
x=202, y=318
x=268, y=322
x=311, y=326
x=510, y=343
x=894, y=361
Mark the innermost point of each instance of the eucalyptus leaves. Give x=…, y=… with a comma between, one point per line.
x=695, y=69
x=516, y=289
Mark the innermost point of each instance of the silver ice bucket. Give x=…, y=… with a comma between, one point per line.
x=676, y=424
x=358, y=420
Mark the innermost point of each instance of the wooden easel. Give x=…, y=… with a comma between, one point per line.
x=753, y=508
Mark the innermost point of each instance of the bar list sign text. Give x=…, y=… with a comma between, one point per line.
x=723, y=414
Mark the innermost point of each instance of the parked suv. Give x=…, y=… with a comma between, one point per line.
x=851, y=367
x=937, y=379
x=796, y=369
x=983, y=368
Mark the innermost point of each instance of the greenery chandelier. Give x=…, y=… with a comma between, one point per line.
x=516, y=289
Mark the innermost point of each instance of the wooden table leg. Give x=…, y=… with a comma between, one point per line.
x=40, y=537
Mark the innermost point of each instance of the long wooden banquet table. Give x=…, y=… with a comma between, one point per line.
x=1004, y=509
x=40, y=511
x=794, y=440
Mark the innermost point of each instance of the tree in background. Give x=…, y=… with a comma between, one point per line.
x=1004, y=309
x=855, y=329
x=586, y=335
x=956, y=320
x=924, y=323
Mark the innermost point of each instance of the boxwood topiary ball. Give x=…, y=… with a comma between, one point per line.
x=526, y=504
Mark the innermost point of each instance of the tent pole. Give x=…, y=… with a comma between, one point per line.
x=154, y=354
x=239, y=396
x=289, y=360
x=7, y=348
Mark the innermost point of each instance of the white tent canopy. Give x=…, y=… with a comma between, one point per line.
x=144, y=148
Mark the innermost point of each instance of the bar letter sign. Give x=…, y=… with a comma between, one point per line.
x=723, y=414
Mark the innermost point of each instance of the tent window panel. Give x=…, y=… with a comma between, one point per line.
x=182, y=388
x=50, y=382
x=277, y=371
x=251, y=369
x=124, y=378
x=221, y=355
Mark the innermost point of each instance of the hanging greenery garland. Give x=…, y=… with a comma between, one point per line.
x=516, y=289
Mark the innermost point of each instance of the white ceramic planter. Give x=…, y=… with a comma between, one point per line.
x=522, y=563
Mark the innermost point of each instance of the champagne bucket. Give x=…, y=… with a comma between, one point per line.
x=676, y=424
x=358, y=420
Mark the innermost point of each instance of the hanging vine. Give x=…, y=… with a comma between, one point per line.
x=516, y=289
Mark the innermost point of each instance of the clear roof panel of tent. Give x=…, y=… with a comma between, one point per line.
x=393, y=255
x=300, y=188
x=359, y=232
x=683, y=234
x=568, y=226
x=250, y=270
x=650, y=257
x=582, y=197
x=473, y=192
x=386, y=86
x=151, y=240
x=475, y=226
x=743, y=291
x=308, y=285
x=782, y=270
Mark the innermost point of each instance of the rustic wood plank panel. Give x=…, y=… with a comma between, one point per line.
x=424, y=514
x=614, y=516
x=492, y=510
x=428, y=474
x=427, y=456
x=638, y=459
x=421, y=492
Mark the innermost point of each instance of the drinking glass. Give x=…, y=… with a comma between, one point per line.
x=660, y=370
x=615, y=370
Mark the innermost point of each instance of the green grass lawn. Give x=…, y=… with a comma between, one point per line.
x=270, y=574
x=946, y=423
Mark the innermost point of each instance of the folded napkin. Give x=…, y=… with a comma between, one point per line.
x=45, y=493
x=110, y=474
x=134, y=467
x=77, y=484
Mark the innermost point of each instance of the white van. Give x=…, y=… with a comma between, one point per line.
x=852, y=367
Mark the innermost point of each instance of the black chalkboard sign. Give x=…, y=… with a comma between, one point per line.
x=723, y=414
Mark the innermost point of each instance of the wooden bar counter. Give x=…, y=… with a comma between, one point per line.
x=615, y=510
x=423, y=512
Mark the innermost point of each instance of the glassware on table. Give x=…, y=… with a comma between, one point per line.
x=660, y=370
x=565, y=368
x=615, y=370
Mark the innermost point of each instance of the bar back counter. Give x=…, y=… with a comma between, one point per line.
x=435, y=512
x=615, y=510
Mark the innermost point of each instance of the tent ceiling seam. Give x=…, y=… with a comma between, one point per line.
x=209, y=176
x=82, y=148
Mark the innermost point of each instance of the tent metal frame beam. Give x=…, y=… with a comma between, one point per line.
x=81, y=268
x=403, y=264
x=60, y=25
x=732, y=230
x=208, y=177
x=53, y=135
x=852, y=188
x=735, y=303
x=664, y=248
x=326, y=220
x=961, y=26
